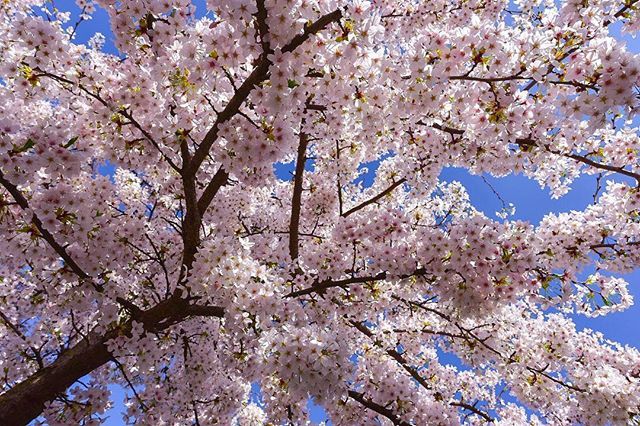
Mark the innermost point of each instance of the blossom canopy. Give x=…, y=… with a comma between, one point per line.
x=191, y=272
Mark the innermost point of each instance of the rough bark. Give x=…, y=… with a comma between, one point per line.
x=26, y=400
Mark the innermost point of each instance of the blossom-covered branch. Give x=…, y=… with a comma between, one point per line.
x=154, y=240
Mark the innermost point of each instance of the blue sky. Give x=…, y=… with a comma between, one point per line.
x=531, y=203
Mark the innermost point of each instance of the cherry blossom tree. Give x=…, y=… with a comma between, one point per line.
x=192, y=272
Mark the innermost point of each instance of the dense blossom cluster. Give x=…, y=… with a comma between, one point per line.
x=148, y=242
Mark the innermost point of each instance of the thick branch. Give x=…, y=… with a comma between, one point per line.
x=324, y=285
x=204, y=311
x=263, y=28
x=192, y=222
x=380, y=409
x=26, y=400
x=191, y=164
x=217, y=182
x=296, y=200
x=344, y=283
x=257, y=76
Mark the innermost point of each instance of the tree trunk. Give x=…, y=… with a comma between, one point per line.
x=26, y=400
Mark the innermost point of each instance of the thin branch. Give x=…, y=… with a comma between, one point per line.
x=123, y=112
x=601, y=166
x=473, y=409
x=397, y=356
x=553, y=379
x=400, y=359
x=162, y=264
x=339, y=184
x=628, y=5
x=529, y=143
x=374, y=198
x=447, y=129
x=141, y=403
x=488, y=79
x=473, y=336
x=19, y=333
x=312, y=29
x=48, y=237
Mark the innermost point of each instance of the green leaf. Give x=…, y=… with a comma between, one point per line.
x=30, y=143
x=37, y=299
x=71, y=142
x=292, y=84
x=24, y=229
